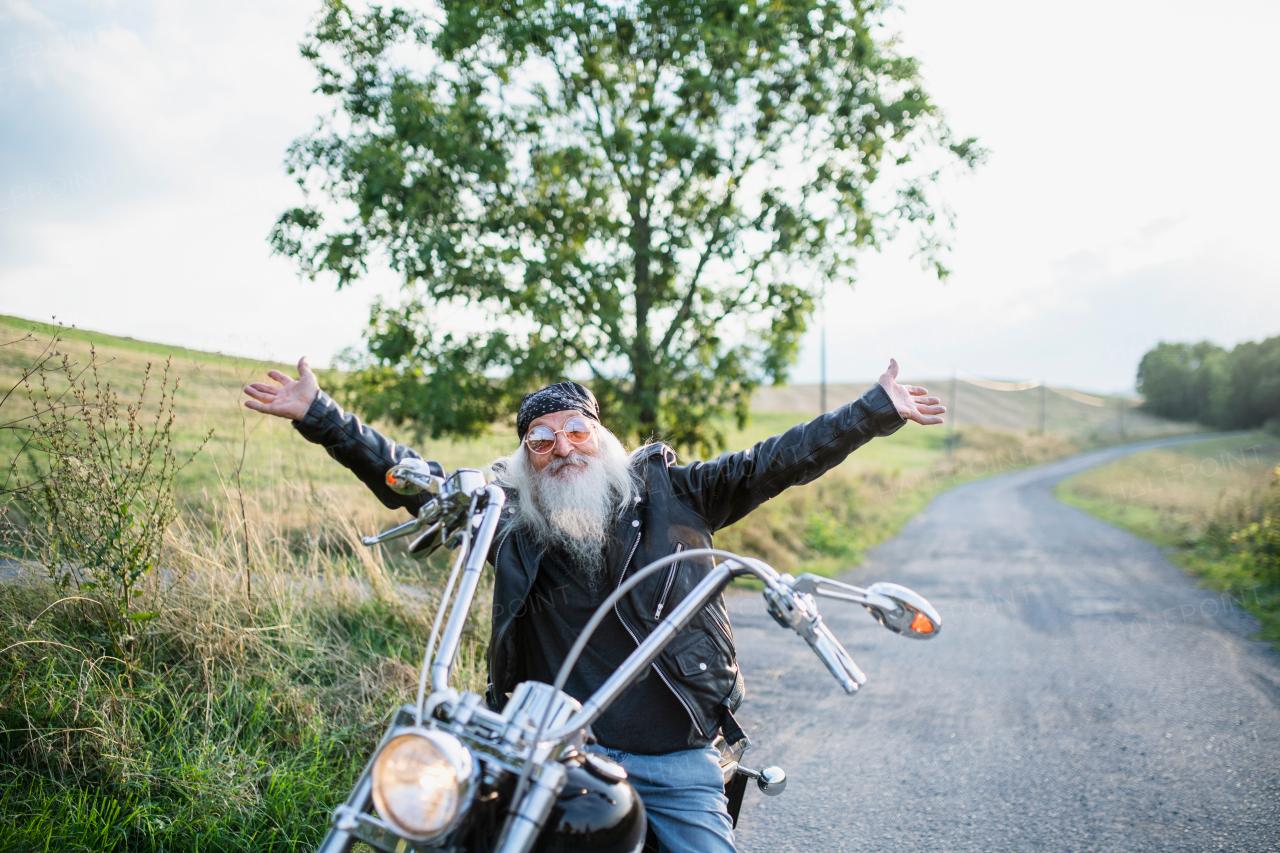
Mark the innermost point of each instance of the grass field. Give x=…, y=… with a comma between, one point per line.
x=238, y=715
x=1169, y=496
x=253, y=457
x=1213, y=505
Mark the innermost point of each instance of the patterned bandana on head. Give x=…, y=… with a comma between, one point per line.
x=561, y=397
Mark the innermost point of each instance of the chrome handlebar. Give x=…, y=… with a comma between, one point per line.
x=895, y=607
x=444, y=515
x=792, y=607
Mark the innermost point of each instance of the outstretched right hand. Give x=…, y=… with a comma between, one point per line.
x=291, y=400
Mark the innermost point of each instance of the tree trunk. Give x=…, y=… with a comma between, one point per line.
x=644, y=393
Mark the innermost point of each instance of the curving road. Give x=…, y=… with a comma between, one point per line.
x=1083, y=694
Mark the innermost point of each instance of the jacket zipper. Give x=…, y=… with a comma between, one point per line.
x=636, y=639
x=724, y=631
x=671, y=578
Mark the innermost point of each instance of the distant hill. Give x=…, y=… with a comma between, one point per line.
x=1087, y=417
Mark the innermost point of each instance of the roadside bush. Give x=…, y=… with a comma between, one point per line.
x=1239, y=551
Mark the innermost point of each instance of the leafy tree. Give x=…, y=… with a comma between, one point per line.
x=1177, y=379
x=1203, y=382
x=1251, y=394
x=650, y=193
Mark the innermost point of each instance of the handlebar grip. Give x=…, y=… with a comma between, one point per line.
x=799, y=612
x=838, y=661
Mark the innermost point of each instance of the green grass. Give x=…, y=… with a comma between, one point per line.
x=234, y=722
x=1170, y=495
x=265, y=450
x=1213, y=505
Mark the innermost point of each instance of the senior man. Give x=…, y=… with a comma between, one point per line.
x=581, y=514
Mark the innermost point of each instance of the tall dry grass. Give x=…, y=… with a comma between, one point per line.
x=241, y=713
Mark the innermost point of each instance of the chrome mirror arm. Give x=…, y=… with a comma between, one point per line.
x=828, y=588
x=647, y=652
x=638, y=661
x=897, y=608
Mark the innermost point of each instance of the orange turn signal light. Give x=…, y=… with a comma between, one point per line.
x=921, y=624
x=391, y=479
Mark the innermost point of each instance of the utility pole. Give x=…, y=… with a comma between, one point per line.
x=822, y=386
x=1044, y=403
x=951, y=410
x=1120, y=404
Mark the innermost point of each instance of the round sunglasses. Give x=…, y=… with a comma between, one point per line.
x=542, y=439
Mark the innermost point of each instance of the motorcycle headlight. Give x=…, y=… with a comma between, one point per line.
x=421, y=782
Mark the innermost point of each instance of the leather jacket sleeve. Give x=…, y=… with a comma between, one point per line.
x=365, y=451
x=733, y=484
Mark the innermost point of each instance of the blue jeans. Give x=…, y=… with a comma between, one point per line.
x=683, y=794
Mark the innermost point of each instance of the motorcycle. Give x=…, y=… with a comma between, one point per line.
x=450, y=775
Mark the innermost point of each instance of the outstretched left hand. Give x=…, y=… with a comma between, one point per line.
x=911, y=400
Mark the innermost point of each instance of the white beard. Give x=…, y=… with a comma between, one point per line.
x=576, y=495
x=571, y=504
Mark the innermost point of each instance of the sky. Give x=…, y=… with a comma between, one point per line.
x=1130, y=195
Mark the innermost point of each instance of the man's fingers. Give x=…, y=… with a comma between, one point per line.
x=280, y=377
x=258, y=407
x=304, y=369
x=927, y=401
x=915, y=390
x=893, y=368
x=264, y=390
x=928, y=420
x=931, y=410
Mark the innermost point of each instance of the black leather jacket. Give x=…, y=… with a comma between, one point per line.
x=680, y=507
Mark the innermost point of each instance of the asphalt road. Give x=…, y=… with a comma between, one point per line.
x=1083, y=694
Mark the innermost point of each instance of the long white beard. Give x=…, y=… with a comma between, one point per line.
x=571, y=504
x=576, y=495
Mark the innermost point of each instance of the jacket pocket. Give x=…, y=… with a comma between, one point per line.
x=702, y=656
x=668, y=582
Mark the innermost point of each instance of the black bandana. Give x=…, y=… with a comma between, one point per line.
x=561, y=397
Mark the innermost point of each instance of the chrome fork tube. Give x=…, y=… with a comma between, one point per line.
x=452, y=637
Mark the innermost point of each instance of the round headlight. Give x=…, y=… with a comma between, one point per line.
x=420, y=782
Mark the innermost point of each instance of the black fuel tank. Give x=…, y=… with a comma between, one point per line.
x=594, y=813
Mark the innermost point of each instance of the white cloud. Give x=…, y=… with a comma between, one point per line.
x=1128, y=197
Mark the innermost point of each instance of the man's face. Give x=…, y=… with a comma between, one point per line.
x=555, y=421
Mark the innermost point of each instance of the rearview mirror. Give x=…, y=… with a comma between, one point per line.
x=413, y=477
x=895, y=607
x=912, y=615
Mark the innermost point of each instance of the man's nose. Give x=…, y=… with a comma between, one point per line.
x=563, y=445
